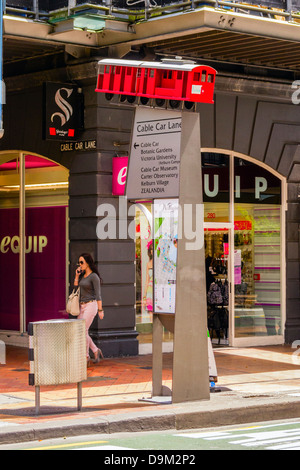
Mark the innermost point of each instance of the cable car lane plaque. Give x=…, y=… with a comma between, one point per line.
x=154, y=161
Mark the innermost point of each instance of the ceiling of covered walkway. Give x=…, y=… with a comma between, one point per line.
x=204, y=33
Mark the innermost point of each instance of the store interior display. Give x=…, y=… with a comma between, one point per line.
x=217, y=286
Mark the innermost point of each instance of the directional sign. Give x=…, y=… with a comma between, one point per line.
x=155, y=154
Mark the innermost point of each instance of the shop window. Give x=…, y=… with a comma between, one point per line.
x=257, y=251
x=243, y=249
x=46, y=200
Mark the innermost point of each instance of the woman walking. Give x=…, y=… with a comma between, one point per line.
x=89, y=281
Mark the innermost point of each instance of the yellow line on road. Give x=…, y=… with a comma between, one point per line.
x=68, y=445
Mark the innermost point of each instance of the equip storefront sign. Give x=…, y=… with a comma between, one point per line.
x=63, y=111
x=155, y=154
x=252, y=185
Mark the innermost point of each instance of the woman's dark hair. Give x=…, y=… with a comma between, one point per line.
x=90, y=261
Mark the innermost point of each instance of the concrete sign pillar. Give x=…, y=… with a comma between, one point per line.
x=156, y=129
x=190, y=359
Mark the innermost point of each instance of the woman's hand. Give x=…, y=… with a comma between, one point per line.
x=101, y=314
x=77, y=274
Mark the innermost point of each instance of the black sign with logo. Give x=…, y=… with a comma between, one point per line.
x=63, y=111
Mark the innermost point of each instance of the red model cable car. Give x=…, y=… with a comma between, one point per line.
x=172, y=80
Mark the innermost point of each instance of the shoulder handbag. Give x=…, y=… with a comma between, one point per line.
x=73, y=305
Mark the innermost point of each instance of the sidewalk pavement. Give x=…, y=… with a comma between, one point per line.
x=257, y=384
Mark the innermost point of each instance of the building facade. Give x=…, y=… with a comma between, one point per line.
x=51, y=188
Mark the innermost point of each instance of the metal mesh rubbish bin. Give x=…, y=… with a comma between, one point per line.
x=57, y=355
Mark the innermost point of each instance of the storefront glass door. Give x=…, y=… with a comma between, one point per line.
x=9, y=231
x=217, y=267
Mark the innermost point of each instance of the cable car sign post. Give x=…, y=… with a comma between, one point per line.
x=165, y=163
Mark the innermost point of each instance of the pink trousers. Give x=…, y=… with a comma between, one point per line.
x=88, y=313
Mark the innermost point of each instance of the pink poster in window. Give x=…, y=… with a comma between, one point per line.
x=119, y=167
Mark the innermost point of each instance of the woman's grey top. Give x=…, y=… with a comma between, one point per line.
x=90, y=288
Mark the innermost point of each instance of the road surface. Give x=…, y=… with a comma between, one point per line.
x=274, y=435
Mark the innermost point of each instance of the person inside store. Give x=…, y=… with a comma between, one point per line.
x=209, y=275
x=88, y=279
